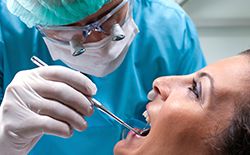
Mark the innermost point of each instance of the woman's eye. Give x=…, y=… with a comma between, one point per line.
x=195, y=89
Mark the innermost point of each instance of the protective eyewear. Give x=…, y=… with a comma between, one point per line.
x=76, y=36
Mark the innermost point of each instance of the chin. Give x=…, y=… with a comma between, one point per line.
x=119, y=148
x=131, y=145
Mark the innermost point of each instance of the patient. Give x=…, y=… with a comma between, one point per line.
x=207, y=112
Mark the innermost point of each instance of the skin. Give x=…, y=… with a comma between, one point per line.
x=117, y=18
x=181, y=123
x=100, y=13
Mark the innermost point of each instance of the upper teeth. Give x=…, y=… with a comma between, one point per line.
x=146, y=115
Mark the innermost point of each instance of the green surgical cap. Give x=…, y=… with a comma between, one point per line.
x=53, y=12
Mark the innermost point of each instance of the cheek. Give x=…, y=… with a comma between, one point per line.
x=182, y=127
x=181, y=115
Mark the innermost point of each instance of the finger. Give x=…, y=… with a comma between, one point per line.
x=63, y=113
x=54, y=127
x=40, y=124
x=65, y=94
x=73, y=78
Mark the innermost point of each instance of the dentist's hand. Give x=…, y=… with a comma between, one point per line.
x=46, y=100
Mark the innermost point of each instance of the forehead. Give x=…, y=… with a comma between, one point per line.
x=236, y=68
x=231, y=76
x=107, y=7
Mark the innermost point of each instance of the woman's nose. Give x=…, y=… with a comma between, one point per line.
x=162, y=87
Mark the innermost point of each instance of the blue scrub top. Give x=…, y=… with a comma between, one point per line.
x=166, y=45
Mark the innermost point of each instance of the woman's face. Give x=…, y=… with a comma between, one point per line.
x=187, y=111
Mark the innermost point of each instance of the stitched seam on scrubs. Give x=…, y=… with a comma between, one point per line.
x=1, y=35
x=1, y=63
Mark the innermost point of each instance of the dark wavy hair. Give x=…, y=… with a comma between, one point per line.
x=235, y=140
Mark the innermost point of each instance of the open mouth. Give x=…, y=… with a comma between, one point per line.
x=151, y=96
x=143, y=132
x=146, y=131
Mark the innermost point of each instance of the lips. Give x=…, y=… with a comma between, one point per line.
x=131, y=135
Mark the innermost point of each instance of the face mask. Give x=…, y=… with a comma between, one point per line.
x=100, y=58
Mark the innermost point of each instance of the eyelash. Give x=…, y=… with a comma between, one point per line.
x=194, y=89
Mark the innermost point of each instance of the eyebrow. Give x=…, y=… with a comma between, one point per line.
x=211, y=80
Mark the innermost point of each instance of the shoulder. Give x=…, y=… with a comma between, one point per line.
x=163, y=17
x=168, y=32
x=158, y=9
x=10, y=23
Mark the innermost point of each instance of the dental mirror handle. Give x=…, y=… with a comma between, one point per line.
x=99, y=106
x=38, y=61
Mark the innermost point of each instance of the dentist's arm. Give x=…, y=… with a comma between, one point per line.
x=46, y=100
